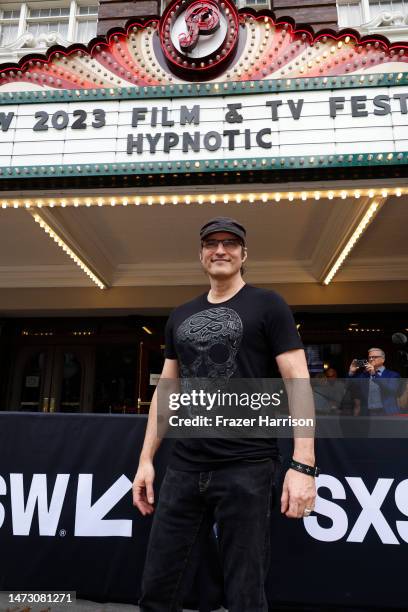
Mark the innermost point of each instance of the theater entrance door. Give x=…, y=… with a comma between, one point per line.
x=53, y=379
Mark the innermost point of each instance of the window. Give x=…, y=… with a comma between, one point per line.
x=9, y=20
x=86, y=19
x=44, y=20
x=256, y=4
x=379, y=6
x=350, y=14
x=355, y=13
x=74, y=21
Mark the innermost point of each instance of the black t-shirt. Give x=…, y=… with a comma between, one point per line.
x=238, y=338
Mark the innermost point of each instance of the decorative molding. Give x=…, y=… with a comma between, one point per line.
x=346, y=160
x=386, y=19
x=170, y=274
x=274, y=48
x=189, y=274
x=374, y=269
x=20, y=277
x=38, y=43
x=183, y=90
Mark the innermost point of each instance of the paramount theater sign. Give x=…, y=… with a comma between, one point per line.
x=201, y=89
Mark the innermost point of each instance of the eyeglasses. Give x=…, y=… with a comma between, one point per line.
x=229, y=244
x=374, y=357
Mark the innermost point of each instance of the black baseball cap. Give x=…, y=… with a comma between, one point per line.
x=223, y=224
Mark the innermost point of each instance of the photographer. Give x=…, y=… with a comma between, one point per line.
x=377, y=388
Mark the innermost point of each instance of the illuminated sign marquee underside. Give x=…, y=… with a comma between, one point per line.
x=273, y=96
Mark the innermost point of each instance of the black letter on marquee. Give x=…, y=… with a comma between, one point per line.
x=153, y=119
x=402, y=97
x=295, y=108
x=232, y=116
x=259, y=138
x=230, y=134
x=170, y=140
x=383, y=105
x=247, y=139
x=358, y=106
x=190, y=116
x=138, y=114
x=153, y=140
x=274, y=107
x=131, y=144
x=192, y=142
x=335, y=105
x=165, y=117
x=5, y=121
x=217, y=138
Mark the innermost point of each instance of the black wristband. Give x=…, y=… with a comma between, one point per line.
x=304, y=468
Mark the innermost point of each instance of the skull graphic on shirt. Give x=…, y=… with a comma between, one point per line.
x=208, y=343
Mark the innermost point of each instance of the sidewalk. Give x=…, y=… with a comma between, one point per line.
x=81, y=605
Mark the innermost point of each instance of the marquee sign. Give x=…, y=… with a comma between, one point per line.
x=205, y=133
x=202, y=89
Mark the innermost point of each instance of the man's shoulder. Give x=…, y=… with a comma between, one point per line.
x=390, y=373
x=268, y=295
x=196, y=303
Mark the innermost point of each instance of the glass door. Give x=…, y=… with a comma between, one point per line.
x=72, y=378
x=151, y=359
x=32, y=379
x=53, y=379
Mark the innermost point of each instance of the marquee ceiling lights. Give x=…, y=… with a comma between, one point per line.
x=203, y=198
x=52, y=234
x=368, y=216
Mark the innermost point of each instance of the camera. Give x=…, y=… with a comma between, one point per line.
x=360, y=363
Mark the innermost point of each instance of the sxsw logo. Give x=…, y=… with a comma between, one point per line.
x=370, y=515
x=90, y=518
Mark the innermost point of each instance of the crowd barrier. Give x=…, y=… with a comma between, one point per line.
x=67, y=520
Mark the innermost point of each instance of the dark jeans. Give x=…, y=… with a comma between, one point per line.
x=238, y=499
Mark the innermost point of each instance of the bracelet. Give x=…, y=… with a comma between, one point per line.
x=304, y=468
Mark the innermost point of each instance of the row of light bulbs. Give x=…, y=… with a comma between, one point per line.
x=352, y=241
x=226, y=198
x=364, y=329
x=48, y=230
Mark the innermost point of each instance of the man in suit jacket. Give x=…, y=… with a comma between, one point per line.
x=377, y=388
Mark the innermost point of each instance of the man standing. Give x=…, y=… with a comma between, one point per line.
x=377, y=389
x=232, y=331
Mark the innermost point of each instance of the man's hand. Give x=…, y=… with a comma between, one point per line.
x=143, y=494
x=370, y=369
x=299, y=492
x=353, y=367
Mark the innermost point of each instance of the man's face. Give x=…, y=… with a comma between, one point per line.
x=222, y=259
x=375, y=359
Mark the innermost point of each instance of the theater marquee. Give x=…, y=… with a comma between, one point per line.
x=205, y=88
x=321, y=127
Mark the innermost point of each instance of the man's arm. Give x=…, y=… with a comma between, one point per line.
x=389, y=386
x=143, y=493
x=299, y=490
